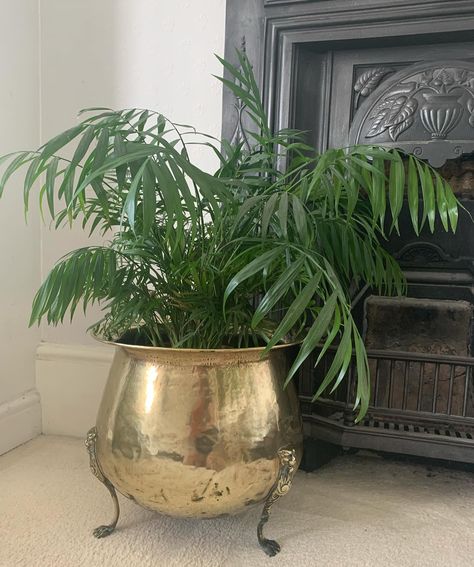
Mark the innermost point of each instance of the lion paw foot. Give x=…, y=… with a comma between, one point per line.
x=103, y=531
x=270, y=547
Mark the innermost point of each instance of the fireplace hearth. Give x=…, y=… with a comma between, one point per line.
x=398, y=74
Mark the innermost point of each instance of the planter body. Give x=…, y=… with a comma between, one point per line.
x=195, y=433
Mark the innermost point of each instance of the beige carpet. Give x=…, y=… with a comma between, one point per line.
x=356, y=511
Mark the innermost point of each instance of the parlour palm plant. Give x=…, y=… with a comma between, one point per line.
x=269, y=248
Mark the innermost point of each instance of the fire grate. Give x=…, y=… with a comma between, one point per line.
x=421, y=404
x=390, y=425
x=446, y=430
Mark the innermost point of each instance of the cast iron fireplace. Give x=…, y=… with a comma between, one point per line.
x=399, y=74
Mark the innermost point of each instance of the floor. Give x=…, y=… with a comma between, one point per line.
x=358, y=510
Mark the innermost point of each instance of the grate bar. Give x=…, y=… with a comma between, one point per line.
x=405, y=385
x=420, y=385
x=466, y=390
x=390, y=384
x=450, y=392
x=435, y=388
x=377, y=379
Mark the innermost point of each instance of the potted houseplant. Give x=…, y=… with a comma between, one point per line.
x=207, y=279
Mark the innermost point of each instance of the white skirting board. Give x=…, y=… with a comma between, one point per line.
x=20, y=420
x=70, y=380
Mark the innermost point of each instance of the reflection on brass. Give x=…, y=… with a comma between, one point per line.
x=197, y=433
x=105, y=530
x=280, y=488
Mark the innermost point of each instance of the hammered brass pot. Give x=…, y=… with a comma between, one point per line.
x=197, y=433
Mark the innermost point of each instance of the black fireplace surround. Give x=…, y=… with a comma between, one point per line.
x=398, y=74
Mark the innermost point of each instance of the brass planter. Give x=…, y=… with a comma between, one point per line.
x=197, y=433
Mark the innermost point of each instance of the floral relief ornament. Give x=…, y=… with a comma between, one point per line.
x=442, y=90
x=368, y=81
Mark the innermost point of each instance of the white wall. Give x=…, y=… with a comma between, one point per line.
x=156, y=54
x=20, y=244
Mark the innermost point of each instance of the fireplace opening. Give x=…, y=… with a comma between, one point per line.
x=423, y=326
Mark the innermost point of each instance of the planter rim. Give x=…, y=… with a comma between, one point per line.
x=215, y=352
